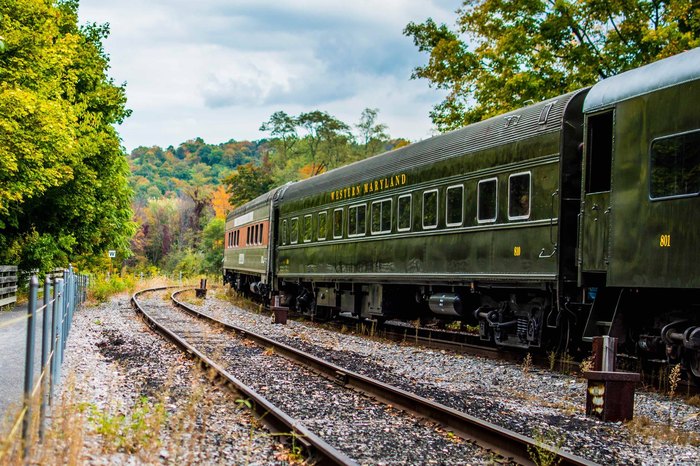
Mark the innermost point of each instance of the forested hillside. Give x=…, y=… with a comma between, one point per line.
x=182, y=195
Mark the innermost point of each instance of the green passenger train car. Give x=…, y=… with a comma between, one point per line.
x=426, y=226
x=551, y=224
x=247, y=250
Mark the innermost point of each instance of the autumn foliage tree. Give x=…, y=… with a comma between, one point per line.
x=503, y=54
x=64, y=193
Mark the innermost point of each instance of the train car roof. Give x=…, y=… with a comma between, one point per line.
x=495, y=131
x=664, y=73
x=252, y=205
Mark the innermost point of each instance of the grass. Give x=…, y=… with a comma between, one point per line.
x=541, y=455
x=642, y=426
x=173, y=427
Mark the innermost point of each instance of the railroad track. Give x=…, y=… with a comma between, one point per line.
x=285, y=418
x=462, y=343
x=654, y=372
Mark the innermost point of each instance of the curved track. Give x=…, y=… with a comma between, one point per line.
x=505, y=443
x=271, y=415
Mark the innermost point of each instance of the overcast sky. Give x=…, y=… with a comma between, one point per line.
x=218, y=68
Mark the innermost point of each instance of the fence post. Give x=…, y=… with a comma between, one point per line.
x=65, y=299
x=54, y=336
x=71, y=299
x=58, y=356
x=45, y=342
x=29, y=365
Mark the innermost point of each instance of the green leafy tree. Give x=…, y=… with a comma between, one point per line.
x=248, y=182
x=213, y=245
x=503, y=54
x=372, y=134
x=63, y=176
x=323, y=130
x=282, y=128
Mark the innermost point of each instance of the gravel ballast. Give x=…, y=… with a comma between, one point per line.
x=114, y=363
x=367, y=431
x=533, y=402
x=113, y=360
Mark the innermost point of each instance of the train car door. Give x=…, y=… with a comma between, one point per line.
x=595, y=207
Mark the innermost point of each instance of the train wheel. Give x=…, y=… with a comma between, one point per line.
x=693, y=365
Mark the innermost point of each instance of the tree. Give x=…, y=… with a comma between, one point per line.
x=372, y=134
x=282, y=127
x=323, y=128
x=248, y=182
x=213, y=245
x=503, y=54
x=219, y=202
x=64, y=178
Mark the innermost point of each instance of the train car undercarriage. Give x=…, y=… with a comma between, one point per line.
x=522, y=317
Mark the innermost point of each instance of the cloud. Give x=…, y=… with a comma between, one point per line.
x=218, y=68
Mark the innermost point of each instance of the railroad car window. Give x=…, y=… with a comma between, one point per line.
x=519, y=196
x=675, y=166
x=322, y=229
x=284, y=232
x=256, y=229
x=247, y=236
x=260, y=234
x=404, y=213
x=237, y=238
x=357, y=224
x=294, y=231
x=307, y=228
x=453, y=205
x=487, y=199
x=338, y=223
x=381, y=216
x=430, y=209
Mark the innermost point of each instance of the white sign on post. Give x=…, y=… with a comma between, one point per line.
x=112, y=253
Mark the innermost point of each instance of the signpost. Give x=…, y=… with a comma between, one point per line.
x=112, y=254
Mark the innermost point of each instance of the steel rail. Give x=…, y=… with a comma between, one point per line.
x=278, y=422
x=502, y=441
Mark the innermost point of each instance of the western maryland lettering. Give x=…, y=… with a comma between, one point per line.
x=369, y=187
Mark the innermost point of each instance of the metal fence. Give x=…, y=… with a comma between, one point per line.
x=62, y=296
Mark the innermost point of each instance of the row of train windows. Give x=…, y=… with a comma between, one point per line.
x=381, y=212
x=254, y=236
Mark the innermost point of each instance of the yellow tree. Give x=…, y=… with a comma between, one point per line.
x=219, y=202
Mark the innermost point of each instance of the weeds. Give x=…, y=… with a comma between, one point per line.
x=136, y=431
x=673, y=378
x=586, y=365
x=416, y=326
x=642, y=426
x=546, y=449
x=552, y=357
x=566, y=363
x=454, y=325
x=527, y=363
x=101, y=289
